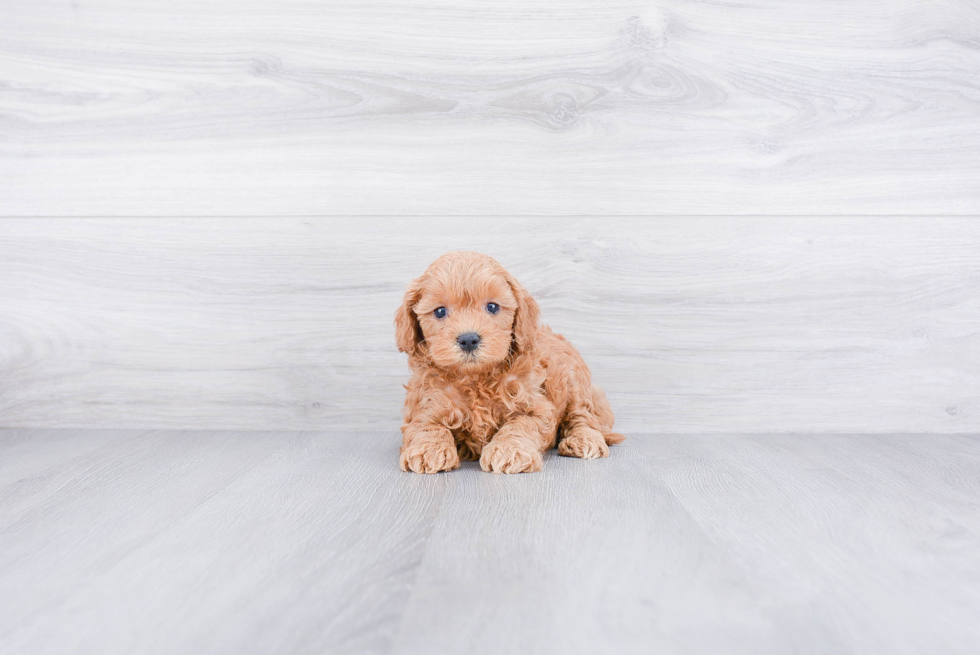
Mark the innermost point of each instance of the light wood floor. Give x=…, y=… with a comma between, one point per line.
x=314, y=542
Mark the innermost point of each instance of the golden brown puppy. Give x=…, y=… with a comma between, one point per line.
x=487, y=381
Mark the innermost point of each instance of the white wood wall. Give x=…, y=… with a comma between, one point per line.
x=292, y=107
x=691, y=324
x=753, y=216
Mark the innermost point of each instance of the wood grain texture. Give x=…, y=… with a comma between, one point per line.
x=552, y=107
x=691, y=325
x=203, y=541
x=225, y=542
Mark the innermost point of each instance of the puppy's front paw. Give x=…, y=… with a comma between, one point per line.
x=584, y=443
x=429, y=457
x=510, y=457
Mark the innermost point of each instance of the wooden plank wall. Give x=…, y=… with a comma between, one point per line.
x=753, y=216
x=558, y=107
x=691, y=324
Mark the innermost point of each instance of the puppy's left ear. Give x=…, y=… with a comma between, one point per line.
x=525, y=319
x=408, y=332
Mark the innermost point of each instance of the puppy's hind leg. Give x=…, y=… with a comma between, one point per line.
x=582, y=441
x=587, y=428
x=604, y=414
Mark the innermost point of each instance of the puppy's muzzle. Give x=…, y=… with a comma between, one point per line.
x=468, y=341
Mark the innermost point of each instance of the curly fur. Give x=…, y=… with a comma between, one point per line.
x=523, y=390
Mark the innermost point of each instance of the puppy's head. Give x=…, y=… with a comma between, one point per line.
x=466, y=313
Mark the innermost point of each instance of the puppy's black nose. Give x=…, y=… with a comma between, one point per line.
x=468, y=341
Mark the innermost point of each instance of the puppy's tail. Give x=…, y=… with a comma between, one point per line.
x=613, y=437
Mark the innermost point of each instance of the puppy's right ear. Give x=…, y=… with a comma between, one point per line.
x=408, y=332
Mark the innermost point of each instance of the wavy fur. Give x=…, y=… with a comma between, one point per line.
x=523, y=390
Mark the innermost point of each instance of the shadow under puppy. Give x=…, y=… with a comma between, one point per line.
x=487, y=381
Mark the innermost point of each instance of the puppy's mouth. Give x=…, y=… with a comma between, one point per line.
x=471, y=360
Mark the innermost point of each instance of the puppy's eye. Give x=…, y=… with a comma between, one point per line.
x=493, y=307
x=439, y=312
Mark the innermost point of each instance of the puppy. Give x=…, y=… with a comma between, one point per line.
x=487, y=381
